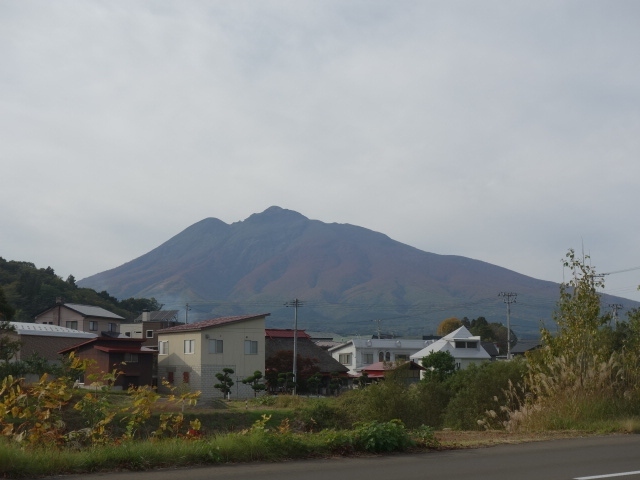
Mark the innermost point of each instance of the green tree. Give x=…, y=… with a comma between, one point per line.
x=8, y=346
x=225, y=380
x=284, y=380
x=439, y=365
x=6, y=311
x=580, y=336
x=313, y=382
x=254, y=381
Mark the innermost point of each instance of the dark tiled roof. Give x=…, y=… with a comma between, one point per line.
x=213, y=322
x=306, y=349
x=490, y=348
x=524, y=346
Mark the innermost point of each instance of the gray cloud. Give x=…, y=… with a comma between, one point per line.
x=506, y=133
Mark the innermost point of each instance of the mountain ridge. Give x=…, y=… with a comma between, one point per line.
x=348, y=277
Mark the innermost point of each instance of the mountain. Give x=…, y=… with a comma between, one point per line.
x=351, y=280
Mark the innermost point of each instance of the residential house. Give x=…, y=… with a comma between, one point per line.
x=193, y=353
x=524, y=346
x=86, y=318
x=359, y=352
x=125, y=355
x=408, y=371
x=148, y=323
x=45, y=340
x=281, y=340
x=465, y=348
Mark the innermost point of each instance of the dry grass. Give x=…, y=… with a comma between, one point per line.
x=452, y=439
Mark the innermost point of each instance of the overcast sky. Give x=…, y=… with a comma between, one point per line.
x=504, y=131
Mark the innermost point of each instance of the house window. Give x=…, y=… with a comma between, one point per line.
x=93, y=326
x=113, y=327
x=163, y=348
x=215, y=346
x=185, y=377
x=463, y=344
x=387, y=356
x=381, y=356
x=149, y=333
x=170, y=377
x=250, y=347
x=344, y=358
x=131, y=358
x=367, y=358
x=127, y=334
x=402, y=358
x=189, y=346
x=73, y=324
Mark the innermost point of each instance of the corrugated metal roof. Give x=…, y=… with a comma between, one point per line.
x=213, y=322
x=92, y=311
x=23, y=328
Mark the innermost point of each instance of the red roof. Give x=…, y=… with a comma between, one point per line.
x=122, y=350
x=213, y=322
x=376, y=370
x=118, y=342
x=284, y=333
x=378, y=367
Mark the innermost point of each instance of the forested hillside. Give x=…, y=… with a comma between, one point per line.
x=29, y=290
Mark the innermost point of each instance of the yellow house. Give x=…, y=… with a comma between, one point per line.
x=193, y=353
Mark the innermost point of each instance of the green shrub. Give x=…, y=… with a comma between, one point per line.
x=322, y=414
x=475, y=389
x=382, y=436
x=425, y=436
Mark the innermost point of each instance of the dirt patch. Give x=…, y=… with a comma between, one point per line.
x=482, y=438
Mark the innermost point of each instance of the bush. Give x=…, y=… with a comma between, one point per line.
x=322, y=414
x=382, y=437
x=474, y=391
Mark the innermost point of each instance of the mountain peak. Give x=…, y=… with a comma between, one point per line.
x=276, y=214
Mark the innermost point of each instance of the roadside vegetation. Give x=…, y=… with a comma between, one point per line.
x=585, y=378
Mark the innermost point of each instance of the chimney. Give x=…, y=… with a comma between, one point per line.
x=145, y=315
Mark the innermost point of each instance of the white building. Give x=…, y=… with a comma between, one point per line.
x=360, y=352
x=465, y=348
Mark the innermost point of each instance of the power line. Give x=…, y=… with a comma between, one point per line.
x=618, y=271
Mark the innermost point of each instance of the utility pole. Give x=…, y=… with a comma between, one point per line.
x=295, y=304
x=615, y=307
x=186, y=313
x=508, y=298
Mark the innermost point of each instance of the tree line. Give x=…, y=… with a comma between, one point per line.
x=26, y=290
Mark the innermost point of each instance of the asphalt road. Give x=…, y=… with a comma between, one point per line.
x=588, y=458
